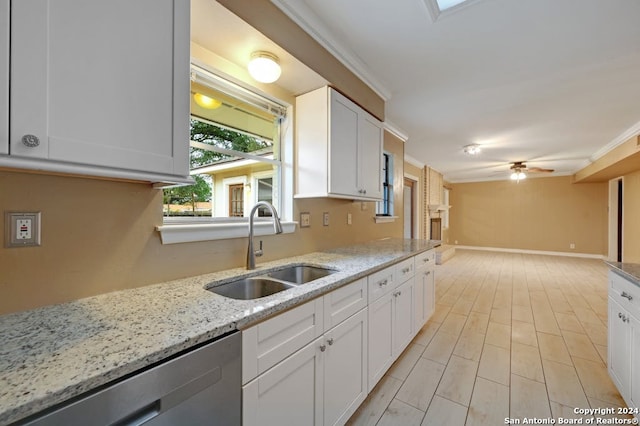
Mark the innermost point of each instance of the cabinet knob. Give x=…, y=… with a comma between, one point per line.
x=323, y=348
x=627, y=296
x=330, y=341
x=619, y=314
x=30, y=141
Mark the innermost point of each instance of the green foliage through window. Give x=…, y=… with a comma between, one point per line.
x=200, y=192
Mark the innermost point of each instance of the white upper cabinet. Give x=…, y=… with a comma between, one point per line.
x=4, y=76
x=103, y=84
x=338, y=148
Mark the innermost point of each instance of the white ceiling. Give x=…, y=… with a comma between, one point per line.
x=550, y=82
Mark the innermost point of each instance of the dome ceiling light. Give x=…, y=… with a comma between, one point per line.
x=205, y=101
x=264, y=67
x=472, y=149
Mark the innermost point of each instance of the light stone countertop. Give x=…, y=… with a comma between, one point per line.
x=630, y=271
x=54, y=353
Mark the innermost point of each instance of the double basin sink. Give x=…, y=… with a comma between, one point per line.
x=270, y=282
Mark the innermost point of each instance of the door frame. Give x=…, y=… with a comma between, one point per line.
x=615, y=220
x=415, y=202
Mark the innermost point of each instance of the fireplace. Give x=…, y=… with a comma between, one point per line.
x=436, y=228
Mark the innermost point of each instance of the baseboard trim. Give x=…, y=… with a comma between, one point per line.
x=541, y=252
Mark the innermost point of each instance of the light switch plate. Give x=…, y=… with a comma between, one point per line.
x=325, y=218
x=305, y=220
x=22, y=229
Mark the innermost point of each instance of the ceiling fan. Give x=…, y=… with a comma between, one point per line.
x=519, y=168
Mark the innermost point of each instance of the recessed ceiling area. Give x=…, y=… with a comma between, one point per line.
x=553, y=83
x=218, y=30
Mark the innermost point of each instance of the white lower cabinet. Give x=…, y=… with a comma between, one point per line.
x=425, y=297
x=288, y=394
x=316, y=363
x=391, y=328
x=321, y=384
x=624, y=338
x=402, y=316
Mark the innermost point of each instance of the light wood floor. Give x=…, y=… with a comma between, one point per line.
x=513, y=336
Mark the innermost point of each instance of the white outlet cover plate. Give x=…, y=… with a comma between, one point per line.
x=22, y=229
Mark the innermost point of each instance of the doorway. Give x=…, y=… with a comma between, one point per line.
x=410, y=202
x=616, y=234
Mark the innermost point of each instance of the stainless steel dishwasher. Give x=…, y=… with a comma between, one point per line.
x=200, y=387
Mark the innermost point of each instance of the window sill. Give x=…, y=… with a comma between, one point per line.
x=175, y=233
x=385, y=219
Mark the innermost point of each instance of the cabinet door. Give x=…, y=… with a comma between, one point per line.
x=419, y=307
x=619, y=349
x=269, y=342
x=380, y=338
x=288, y=394
x=370, y=143
x=634, y=356
x=343, y=157
x=4, y=76
x=403, y=316
x=429, y=283
x=345, y=369
x=102, y=83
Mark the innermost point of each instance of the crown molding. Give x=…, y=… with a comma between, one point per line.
x=622, y=138
x=390, y=127
x=409, y=159
x=312, y=25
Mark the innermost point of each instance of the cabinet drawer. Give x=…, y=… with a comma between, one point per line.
x=381, y=283
x=271, y=341
x=343, y=302
x=625, y=293
x=405, y=270
x=426, y=259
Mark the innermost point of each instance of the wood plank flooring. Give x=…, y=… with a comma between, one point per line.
x=513, y=336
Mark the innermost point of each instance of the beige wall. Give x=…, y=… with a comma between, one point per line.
x=630, y=215
x=98, y=236
x=536, y=214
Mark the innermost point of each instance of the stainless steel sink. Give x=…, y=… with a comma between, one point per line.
x=300, y=274
x=250, y=288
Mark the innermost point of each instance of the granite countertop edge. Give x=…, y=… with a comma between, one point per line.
x=57, y=352
x=630, y=271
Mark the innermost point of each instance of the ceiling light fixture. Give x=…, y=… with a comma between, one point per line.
x=205, y=101
x=518, y=175
x=264, y=67
x=473, y=149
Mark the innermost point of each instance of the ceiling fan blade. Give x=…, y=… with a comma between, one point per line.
x=539, y=170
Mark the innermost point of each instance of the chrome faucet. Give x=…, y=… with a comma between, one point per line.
x=277, y=227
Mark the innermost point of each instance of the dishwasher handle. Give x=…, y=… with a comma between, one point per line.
x=181, y=394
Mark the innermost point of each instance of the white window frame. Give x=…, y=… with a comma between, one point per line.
x=184, y=230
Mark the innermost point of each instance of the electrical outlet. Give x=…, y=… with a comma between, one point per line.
x=22, y=229
x=572, y=246
x=325, y=218
x=349, y=219
x=305, y=220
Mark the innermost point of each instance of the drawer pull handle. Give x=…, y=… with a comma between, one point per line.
x=627, y=296
x=397, y=293
x=405, y=270
x=619, y=314
x=323, y=348
x=330, y=341
x=383, y=283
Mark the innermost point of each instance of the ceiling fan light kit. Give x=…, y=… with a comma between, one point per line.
x=472, y=149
